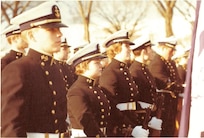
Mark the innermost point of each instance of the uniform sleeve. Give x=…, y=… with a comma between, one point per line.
x=79, y=107
x=14, y=109
x=108, y=82
x=4, y=62
x=157, y=70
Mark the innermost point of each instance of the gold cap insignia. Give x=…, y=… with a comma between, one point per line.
x=56, y=11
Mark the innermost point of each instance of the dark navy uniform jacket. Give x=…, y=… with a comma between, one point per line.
x=9, y=57
x=164, y=71
x=120, y=88
x=145, y=81
x=88, y=107
x=33, y=97
x=146, y=85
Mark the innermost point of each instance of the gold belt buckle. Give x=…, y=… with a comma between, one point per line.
x=46, y=135
x=131, y=106
x=61, y=135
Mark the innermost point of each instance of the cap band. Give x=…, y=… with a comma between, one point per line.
x=142, y=46
x=91, y=56
x=13, y=32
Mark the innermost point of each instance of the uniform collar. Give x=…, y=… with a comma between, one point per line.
x=137, y=64
x=87, y=80
x=61, y=62
x=118, y=63
x=17, y=54
x=42, y=58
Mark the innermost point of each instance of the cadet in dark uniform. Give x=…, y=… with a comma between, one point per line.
x=61, y=58
x=166, y=77
x=88, y=107
x=144, y=79
x=119, y=86
x=18, y=45
x=181, y=63
x=34, y=102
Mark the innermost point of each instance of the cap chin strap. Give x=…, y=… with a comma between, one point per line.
x=45, y=22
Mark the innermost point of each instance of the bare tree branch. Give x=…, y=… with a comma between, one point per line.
x=3, y=10
x=160, y=7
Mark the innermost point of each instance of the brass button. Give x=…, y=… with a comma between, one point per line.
x=54, y=103
x=54, y=93
x=42, y=63
x=122, y=64
x=102, y=110
x=98, y=97
x=50, y=82
x=56, y=121
x=101, y=103
x=57, y=131
x=60, y=70
x=95, y=92
x=102, y=116
x=101, y=123
x=47, y=72
x=53, y=112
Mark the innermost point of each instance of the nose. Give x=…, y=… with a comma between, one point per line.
x=59, y=33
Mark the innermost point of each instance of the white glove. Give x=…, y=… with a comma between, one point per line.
x=155, y=123
x=138, y=131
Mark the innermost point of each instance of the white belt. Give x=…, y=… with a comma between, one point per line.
x=77, y=133
x=144, y=104
x=126, y=106
x=43, y=135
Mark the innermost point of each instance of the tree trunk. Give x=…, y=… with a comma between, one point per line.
x=86, y=30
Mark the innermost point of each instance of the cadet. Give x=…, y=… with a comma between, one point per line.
x=88, y=107
x=144, y=79
x=61, y=58
x=166, y=77
x=18, y=45
x=119, y=86
x=33, y=91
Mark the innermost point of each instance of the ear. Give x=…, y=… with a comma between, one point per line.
x=30, y=35
x=143, y=51
x=15, y=39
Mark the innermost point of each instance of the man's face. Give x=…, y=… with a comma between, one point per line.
x=95, y=68
x=48, y=39
x=125, y=52
x=169, y=52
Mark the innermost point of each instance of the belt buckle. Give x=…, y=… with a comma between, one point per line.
x=131, y=106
